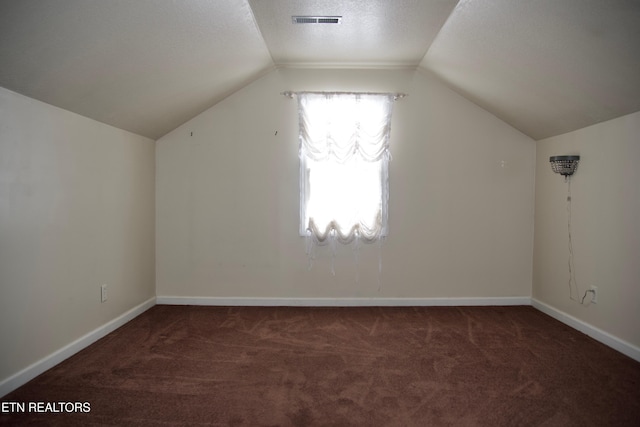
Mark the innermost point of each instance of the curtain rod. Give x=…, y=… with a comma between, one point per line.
x=396, y=96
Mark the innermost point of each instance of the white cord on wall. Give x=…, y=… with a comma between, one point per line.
x=572, y=280
x=572, y=276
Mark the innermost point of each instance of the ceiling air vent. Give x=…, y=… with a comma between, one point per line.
x=316, y=19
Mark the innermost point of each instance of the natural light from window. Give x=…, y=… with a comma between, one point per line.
x=348, y=194
x=344, y=155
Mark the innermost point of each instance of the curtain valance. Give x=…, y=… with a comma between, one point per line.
x=343, y=125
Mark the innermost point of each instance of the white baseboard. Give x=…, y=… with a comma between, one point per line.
x=595, y=333
x=341, y=302
x=32, y=371
x=37, y=368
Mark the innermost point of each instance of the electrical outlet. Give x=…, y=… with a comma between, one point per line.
x=103, y=293
x=594, y=294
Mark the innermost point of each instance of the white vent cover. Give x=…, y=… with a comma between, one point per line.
x=316, y=19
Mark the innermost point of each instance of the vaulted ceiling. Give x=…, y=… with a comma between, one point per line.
x=544, y=66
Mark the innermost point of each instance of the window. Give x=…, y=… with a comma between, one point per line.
x=344, y=157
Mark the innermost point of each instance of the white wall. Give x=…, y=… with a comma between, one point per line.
x=605, y=226
x=461, y=201
x=76, y=211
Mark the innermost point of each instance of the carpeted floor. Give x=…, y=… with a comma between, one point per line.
x=278, y=366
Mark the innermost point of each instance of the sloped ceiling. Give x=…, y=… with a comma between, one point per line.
x=545, y=67
x=145, y=66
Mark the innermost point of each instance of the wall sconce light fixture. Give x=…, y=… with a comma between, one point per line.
x=564, y=165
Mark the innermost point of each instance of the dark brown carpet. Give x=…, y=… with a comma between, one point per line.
x=268, y=366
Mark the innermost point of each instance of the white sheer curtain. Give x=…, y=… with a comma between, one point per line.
x=344, y=158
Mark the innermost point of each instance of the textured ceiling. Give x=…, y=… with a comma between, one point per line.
x=545, y=67
x=146, y=66
x=373, y=33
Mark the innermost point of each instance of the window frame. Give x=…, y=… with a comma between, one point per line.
x=384, y=159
